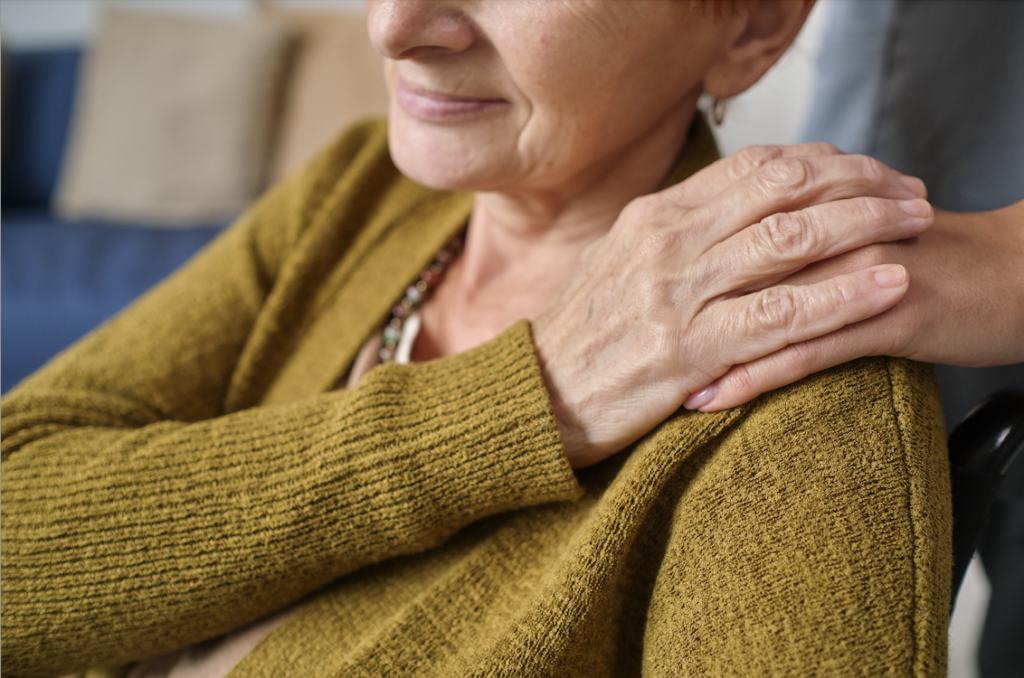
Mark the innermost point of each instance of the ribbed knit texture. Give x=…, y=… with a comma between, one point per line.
x=187, y=469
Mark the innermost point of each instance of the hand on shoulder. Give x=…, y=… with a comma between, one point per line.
x=692, y=280
x=965, y=306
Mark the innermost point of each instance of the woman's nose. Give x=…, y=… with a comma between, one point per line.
x=409, y=29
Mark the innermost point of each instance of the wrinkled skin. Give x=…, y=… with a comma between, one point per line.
x=563, y=116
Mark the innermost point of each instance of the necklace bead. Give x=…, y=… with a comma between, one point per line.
x=417, y=293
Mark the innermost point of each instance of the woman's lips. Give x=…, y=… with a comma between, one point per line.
x=437, y=107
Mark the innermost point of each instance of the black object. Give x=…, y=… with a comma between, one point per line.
x=981, y=450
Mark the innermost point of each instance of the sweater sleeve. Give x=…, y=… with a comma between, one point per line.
x=140, y=513
x=817, y=539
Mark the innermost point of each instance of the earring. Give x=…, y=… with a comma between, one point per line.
x=718, y=111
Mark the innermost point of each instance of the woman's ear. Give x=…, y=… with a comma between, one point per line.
x=762, y=31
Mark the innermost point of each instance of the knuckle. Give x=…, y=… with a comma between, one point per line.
x=839, y=293
x=896, y=342
x=753, y=158
x=901, y=341
x=872, y=212
x=901, y=335
x=784, y=176
x=798, y=359
x=785, y=366
x=641, y=219
x=786, y=234
x=702, y=277
x=890, y=343
x=774, y=309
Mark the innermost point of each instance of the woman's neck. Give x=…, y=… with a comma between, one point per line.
x=522, y=245
x=508, y=227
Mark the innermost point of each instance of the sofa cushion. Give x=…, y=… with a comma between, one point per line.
x=336, y=79
x=39, y=90
x=174, y=120
x=61, y=280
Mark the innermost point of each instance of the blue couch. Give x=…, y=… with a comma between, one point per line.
x=61, y=279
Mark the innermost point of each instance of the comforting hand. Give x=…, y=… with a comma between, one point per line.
x=683, y=287
x=965, y=306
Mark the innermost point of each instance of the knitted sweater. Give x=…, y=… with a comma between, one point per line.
x=187, y=469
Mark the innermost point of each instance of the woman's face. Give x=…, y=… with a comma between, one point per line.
x=500, y=95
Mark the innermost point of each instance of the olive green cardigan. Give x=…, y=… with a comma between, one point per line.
x=188, y=468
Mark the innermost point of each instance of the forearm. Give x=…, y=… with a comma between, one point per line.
x=978, y=263
x=154, y=496
x=139, y=540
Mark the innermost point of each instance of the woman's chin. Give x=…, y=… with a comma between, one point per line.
x=444, y=157
x=430, y=172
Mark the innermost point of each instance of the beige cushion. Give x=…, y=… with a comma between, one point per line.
x=337, y=78
x=174, y=120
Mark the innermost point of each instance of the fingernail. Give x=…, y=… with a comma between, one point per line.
x=915, y=208
x=890, y=276
x=914, y=185
x=701, y=397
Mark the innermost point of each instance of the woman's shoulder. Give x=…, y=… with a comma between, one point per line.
x=875, y=421
x=888, y=405
x=888, y=400
x=813, y=506
x=868, y=433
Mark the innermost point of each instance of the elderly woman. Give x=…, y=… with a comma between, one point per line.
x=225, y=479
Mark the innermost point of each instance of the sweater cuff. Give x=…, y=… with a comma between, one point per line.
x=484, y=422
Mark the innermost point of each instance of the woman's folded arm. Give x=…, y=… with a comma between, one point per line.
x=152, y=497
x=122, y=540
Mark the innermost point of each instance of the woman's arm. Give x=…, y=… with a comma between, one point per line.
x=150, y=500
x=965, y=306
x=124, y=537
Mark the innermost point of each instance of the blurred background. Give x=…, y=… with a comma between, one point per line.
x=135, y=130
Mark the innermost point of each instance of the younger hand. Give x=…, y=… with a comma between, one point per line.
x=965, y=307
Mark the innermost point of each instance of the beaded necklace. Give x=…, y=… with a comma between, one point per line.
x=417, y=293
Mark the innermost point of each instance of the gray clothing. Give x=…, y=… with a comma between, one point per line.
x=935, y=89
